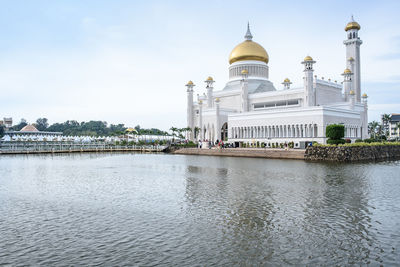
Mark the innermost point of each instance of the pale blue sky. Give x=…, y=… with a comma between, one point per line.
x=128, y=61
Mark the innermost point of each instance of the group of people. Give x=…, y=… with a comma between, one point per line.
x=219, y=144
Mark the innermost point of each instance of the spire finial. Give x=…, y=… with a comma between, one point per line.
x=248, y=35
x=352, y=17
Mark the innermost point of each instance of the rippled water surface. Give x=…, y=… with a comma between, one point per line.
x=156, y=209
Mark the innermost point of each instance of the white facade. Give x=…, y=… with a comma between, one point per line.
x=250, y=109
x=394, y=126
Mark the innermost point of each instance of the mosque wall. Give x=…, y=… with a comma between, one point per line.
x=328, y=93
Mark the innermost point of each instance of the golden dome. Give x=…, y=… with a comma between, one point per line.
x=308, y=58
x=347, y=71
x=351, y=59
x=286, y=80
x=245, y=72
x=352, y=25
x=210, y=79
x=190, y=83
x=248, y=50
x=352, y=92
x=364, y=95
x=217, y=99
x=200, y=102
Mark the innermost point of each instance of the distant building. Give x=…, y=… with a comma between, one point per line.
x=29, y=132
x=394, y=130
x=6, y=122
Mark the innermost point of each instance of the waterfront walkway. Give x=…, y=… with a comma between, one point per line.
x=246, y=152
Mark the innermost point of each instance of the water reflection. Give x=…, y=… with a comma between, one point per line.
x=316, y=212
x=144, y=209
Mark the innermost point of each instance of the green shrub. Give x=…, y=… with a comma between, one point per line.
x=335, y=141
x=358, y=140
x=335, y=131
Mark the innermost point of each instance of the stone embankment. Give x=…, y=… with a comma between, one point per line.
x=245, y=152
x=352, y=153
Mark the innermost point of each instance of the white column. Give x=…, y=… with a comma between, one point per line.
x=201, y=120
x=217, y=133
x=309, y=82
x=190, y=113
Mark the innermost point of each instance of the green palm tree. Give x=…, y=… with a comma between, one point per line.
x=385, y=123
x=173, y=130
x=180, y=131
x=372, y=128
x=187, y=130
x=196, y=131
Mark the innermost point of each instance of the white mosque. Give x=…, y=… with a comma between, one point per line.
x=250, y=109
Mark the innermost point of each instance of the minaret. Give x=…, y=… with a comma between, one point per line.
x=201, y=120
x=352, y=98
x=286, y=83
x=352, y=44
x=210, y=88
x=309, y=82
x=244, y=93
x=189, y=114
x=217, y=120
x=364, y=98
x=347, y=83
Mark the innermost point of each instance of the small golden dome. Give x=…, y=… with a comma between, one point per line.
x=190, y=83
x=364, y=95
x=130, y=130
x=347, y=71
x=308, y=58
x=352, y=92
x=210, y=79
x=352, y=25
x=286, y=80
x=245, y=72
x=248, y=50
x=351, y=59
x=200, y=102
x=217, y=99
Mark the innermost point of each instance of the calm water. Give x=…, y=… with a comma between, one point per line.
x=133, y=209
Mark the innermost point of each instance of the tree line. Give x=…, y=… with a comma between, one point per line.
x=90, y=128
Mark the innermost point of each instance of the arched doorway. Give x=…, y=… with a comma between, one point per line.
x=224, y=132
